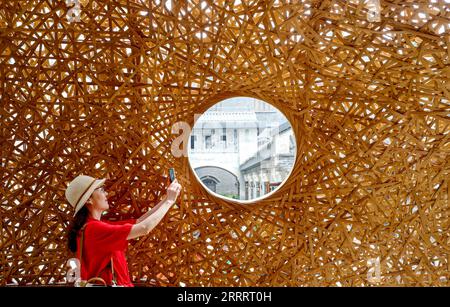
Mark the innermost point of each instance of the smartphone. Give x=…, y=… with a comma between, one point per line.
x=172, y=174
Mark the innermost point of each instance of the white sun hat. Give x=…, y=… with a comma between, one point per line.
x=80, y=189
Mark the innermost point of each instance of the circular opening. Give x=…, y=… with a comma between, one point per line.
x=242, y=149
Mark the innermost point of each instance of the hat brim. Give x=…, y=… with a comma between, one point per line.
x=98, y=183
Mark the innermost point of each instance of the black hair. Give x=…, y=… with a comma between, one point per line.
x=77, y=223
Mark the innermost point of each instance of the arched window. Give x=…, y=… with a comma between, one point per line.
x=210, y=182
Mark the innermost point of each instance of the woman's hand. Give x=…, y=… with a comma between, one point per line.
x=173, y=191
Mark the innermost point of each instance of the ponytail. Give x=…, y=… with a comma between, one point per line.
x=78, y=222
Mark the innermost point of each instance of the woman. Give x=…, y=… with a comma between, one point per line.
x=105, y=243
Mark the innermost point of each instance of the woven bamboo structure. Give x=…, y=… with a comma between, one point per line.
x=99, y=94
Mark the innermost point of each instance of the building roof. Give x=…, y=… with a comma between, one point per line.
x=232, y=119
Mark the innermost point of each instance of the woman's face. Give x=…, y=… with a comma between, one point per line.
x=99, y=200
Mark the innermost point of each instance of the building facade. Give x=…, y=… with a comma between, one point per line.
x=241, y=148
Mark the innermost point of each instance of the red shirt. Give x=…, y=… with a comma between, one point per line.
x=103, y=240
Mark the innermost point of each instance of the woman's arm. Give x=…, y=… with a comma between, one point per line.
x=144, y=226
x=150, y=212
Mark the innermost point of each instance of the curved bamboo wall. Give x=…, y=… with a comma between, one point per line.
x=369, y=103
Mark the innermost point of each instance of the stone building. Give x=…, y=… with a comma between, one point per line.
x=228, y=143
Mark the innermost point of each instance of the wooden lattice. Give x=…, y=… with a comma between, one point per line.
x=369, y=103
